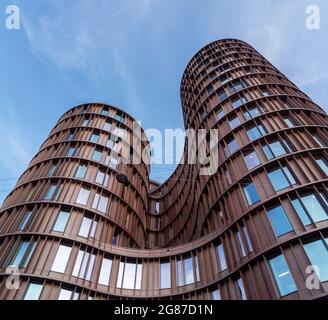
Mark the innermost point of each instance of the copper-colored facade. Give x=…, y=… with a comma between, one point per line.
x=249, y=231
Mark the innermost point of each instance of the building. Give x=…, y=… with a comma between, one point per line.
x=250, y=231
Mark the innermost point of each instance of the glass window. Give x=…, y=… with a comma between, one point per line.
x=289, y=122
x=105, y=111
x=81, y=170
x=237, y=85
x=52, y=170
x=100, y=203
x=232, y=146
x=221, y=256
x=318, y=255
x=88, y=228
x=23, y=254
x=65, y=294
x=274, y=149
x=234, y=122
x=105, y=272
x=189, y=271
x=119, y=116
x=313, y=208
x=282, y=275
x=86, y=122
x=216, y=294
x=251, y=194
x=107, y=126
x=280, y=221
x=129, y=275
x=249, y=243
x=237, y=102
x=322, y=163
x=224, y=79
x=252, y=160
x=61, y=221
x=281, y=178
x=319, y=141
x=26, y=218
x=33, y=291
x=165, y=275
x=97, y=155
x=94, y=137
x=51, y=192
x=62, y=256
x=255, y=132
x=241, y=245
x=241, y=289
x=84, y=265
x=83, y=196
x=222, y=94
x=219, y=114
x=102, y=177
x=252, y=113
x=72, y=151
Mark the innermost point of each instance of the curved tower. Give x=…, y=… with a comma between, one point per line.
x=252, y=230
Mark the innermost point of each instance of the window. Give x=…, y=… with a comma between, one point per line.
x=289, y=122
x=252, y=113
x=222, y=94
x=23, y=254
x=60, y=262
x=51, y=192
x=237, y=102
x=61, y=221
x=219, y=114
x=281, y=178
x=240, y=244
x=107, y=126
x=97, y=154
x=282, y=275
x=86, y=122
x=224, y=79
x=212, y=75
x=232, y=146
x=116, y=237
x=322, y=163
x=221, y=256
x=105, y=272
x=25, y=220
x=83, y=196
x=248, y=240
x=280, y=221
x=70, y=135
x=204, y=114
x=100, y=203
x=236, y=86
x=318, y=255
x=234, y=122
x=209, y=89
x=319, y=140
x=241, y=289
x=81, y=170
x=129, y=275
x=252, y=160
x=94, y=137
x=165, y=275
x=105, y=111
x=227, y=175
x=66, y=294
x=111, y=143
x=251, y=194
x=185, y=270
x=216, y=295
x=309, y=209
x=102, y=177
x=84, y=265
x=275, y=149
x=112, y=160
x=256, y=132
x=72, y=151
x=88, y=228
x=119, y=116
x=157, y=206
x=52, y=170
x=33, y=291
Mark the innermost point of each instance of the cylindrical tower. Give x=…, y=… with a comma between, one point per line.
x=252, y=230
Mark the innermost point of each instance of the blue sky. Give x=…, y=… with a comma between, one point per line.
x=132, y=53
